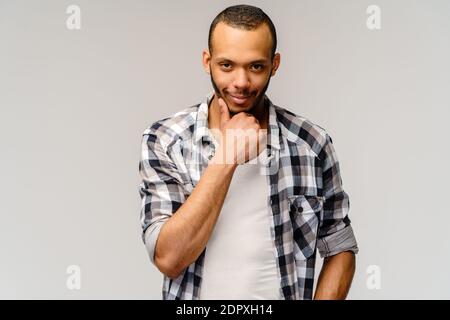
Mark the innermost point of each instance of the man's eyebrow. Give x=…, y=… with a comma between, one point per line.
x=222, y=59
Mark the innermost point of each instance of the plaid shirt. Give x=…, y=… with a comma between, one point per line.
x=307, y=200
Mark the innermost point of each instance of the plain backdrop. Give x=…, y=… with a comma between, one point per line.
x=74, y=103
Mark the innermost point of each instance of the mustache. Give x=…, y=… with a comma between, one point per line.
x=240, y=95
x=246, y=94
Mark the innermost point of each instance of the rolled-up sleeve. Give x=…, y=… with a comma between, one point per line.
x=161, y=189
x=335, y=233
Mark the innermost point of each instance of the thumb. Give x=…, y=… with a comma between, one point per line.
x=224, y=112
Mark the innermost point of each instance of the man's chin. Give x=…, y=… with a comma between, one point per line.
x=240, y=107
x=237, y=108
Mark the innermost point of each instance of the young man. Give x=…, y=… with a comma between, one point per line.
x=219, y=226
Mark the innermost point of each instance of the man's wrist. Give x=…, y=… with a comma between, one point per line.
x=220, y=159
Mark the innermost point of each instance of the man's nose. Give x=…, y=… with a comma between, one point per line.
x=241, y=80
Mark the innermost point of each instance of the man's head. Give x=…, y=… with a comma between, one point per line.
x=241, y=58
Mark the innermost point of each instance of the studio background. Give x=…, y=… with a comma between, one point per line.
x=74, y=103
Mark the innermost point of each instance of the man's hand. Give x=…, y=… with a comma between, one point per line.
x=241, y=136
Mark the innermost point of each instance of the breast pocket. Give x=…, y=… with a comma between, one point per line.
x=305, y=212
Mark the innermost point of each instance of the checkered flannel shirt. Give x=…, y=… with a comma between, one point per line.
x=308, y=203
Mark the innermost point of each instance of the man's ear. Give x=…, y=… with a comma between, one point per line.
x=206, y=59
x=275, y=63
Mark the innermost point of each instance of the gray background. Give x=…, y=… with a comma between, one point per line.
x=73, y=105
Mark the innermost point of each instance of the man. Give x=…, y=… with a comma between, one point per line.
x=217, y=225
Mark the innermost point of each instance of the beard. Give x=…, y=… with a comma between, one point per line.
x=258, y=98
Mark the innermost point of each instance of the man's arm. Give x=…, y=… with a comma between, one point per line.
x=177, y=226
x=184, y=236
x=336, y=276
x=336, y=241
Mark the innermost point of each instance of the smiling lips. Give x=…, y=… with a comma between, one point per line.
x=239, y=99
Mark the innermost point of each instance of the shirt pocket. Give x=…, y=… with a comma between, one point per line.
x=305, y=212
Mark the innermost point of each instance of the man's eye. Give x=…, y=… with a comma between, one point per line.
x=258, y=67
x=226, y=65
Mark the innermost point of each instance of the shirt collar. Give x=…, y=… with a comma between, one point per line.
x=201, y=130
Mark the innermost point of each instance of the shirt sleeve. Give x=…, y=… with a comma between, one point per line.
x=161, y=189
x=335, y=231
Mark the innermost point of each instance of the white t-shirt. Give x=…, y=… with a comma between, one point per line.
x=240, y=260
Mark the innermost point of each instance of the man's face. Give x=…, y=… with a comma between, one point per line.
x=240, y=66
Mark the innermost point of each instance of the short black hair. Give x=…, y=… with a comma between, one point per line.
x=244, y=17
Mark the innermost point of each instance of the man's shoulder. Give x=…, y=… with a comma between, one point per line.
x=300, y=129
x=178, y=124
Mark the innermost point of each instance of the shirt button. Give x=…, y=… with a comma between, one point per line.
x=300, y=209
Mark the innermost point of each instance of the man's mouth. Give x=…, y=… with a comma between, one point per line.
x=239, y=99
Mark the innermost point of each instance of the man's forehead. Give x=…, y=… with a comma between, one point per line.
x=235, y=42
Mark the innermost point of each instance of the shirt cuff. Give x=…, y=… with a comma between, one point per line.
x=340, y=241
x=151, y=235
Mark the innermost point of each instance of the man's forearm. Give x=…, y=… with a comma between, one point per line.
x=336, y=276
x=184, y=236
